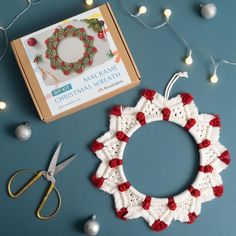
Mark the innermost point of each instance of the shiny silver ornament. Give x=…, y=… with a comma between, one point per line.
x=208, y=10
x=23, y=132
x=91, y=227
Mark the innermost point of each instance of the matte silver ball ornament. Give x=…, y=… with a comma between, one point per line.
x=91, y=227
x=208, y=10
x=23, y=132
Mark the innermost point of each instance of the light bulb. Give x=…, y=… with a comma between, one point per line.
x=167, y=13
x=89, y=2
x=3, y=105
x=142, y=10
x=189, y=60
x=214, y=79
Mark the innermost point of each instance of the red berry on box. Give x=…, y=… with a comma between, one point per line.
x=90, y=37
x=32, y=42
x=94, y=49
x=101, y=34
x=80, y=70
x=66, y=72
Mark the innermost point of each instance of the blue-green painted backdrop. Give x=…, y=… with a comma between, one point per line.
x=160, y=159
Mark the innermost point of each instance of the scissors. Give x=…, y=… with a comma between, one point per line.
x=53, y=170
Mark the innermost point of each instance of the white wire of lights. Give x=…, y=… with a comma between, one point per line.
x=5, y=29
x=188, y=60
x=214, y=77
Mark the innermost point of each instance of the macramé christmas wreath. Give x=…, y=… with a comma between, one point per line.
x=109, y=148
x=69, y=67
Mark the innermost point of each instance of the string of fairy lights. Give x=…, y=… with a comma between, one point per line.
x=208, y=11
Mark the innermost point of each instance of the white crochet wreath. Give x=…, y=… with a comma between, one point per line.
x=159, y=212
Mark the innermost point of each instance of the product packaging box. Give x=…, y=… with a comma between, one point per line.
x=76, y=63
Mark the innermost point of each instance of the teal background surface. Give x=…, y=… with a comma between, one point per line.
x=161, y=159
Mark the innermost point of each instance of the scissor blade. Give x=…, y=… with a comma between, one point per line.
x=53, y=162
x=65, y=163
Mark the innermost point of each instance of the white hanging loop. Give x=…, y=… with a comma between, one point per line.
x=172, y=82
x=4, y=29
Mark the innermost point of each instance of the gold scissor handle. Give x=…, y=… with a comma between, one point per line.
x=26, y=186
x=44, y=200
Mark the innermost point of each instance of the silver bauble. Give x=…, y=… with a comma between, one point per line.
x=91, y=227
x=208, y=10
x=23, y=132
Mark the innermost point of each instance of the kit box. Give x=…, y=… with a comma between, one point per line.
x=76, y=63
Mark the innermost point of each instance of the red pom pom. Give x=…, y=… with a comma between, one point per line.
x=192, y=217
x=53, y=67
x=141, y=118
x=81, y=29
x=116, y=110
x=90, y=37
x=225, y=157
x=66, y=72
x=159, y=225
x=80, y=70
x=206, y=169
x=147, y=203
x=120, y=135
x=46, y=41
x=186, y=98
x=115, y=162
x=121, y=213
x=148, y=94
x=69, y=26
x=204, y=144
x=215, y=122
x=62, y=63
x=32, y=42
x=194, y=192
x=124, y=186
x=56, y=30
x=190, y=123
x=171, y=204
x=97, y=182
x=166, y=113
x=96, y=146
x=101, y=34
x=218, y=190
x=94, y=49
x=90, y=62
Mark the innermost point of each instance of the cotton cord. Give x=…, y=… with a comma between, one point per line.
x=110, y=148
x=5, y=29
x=172, y=82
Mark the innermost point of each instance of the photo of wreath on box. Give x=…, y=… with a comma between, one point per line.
x=69, y=49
